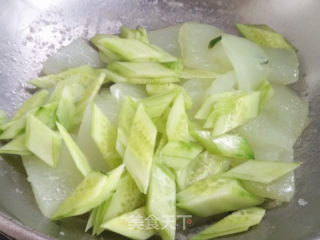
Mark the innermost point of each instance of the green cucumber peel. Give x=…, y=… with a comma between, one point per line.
x=236, y=222
x=228, y=145
x=215, y=195
x=262, y=171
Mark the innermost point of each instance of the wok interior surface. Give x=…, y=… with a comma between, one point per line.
x=31, y=30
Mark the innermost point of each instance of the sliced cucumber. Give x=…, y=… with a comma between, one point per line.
x=189, y=73
x=104, y=135
x=77, y=155
x=178, y=154
x=161, y=203
x=91, y=192
x=133, y=50
x=228, y=145
x=230, y=110
x=130, y=33
x=205, y=165
x=32, y=103
x=215, y=195
x=177, y=124
x=142, y=70
x=88, y=97
x=47, y=114
x=16, y=147
x=66, y=110
x=264, y=36
x=223, y=83
x=126, y=198
x=236, y=222
x=127, y=112
x=140, y=147
x=133, y=225
x=262, y=171
x=51, y=80
x=157, y=104
x=42, y=141
x=3, y=118
x=13, y=128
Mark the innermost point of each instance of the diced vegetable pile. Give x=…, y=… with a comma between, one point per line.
x=182, y=120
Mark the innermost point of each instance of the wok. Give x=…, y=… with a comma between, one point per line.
x=31, y=30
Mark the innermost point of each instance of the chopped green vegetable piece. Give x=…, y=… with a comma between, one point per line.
x=127, y=226
x=214, y=195
x=16, y=146
x=139, y=34
x=189, y=73
x=86, y=72
x=205, y=165
x=91, y=192
x=154, y=89
x=77, y=155
x=156, y=105
x=106, y=55
x=266, y=92
x=127, y=112
x=42, y=141
x=228, y=145
x=47, y=114
x=3, y=119
x=104, y=135
x=88, y=97
x=178, y=154
x=34, y=102
x=214, y=41
x=91, y=219
x=230, y=110
x=140, y=147
x=262, y=171
x=15, y=127
x=133, y=50
x=264, y=36
x=66, y=109
x=142, y=70
x=236, y=222
x=177, y=124
x=161, y=203
x=176, y=66
x=126, y=198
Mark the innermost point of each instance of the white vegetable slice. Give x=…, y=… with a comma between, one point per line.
x=283, y=65
x=120, y=90
x=78, y=53
x=194, y=39
x=50, y=185
x=248, y=59
x=167, y=39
